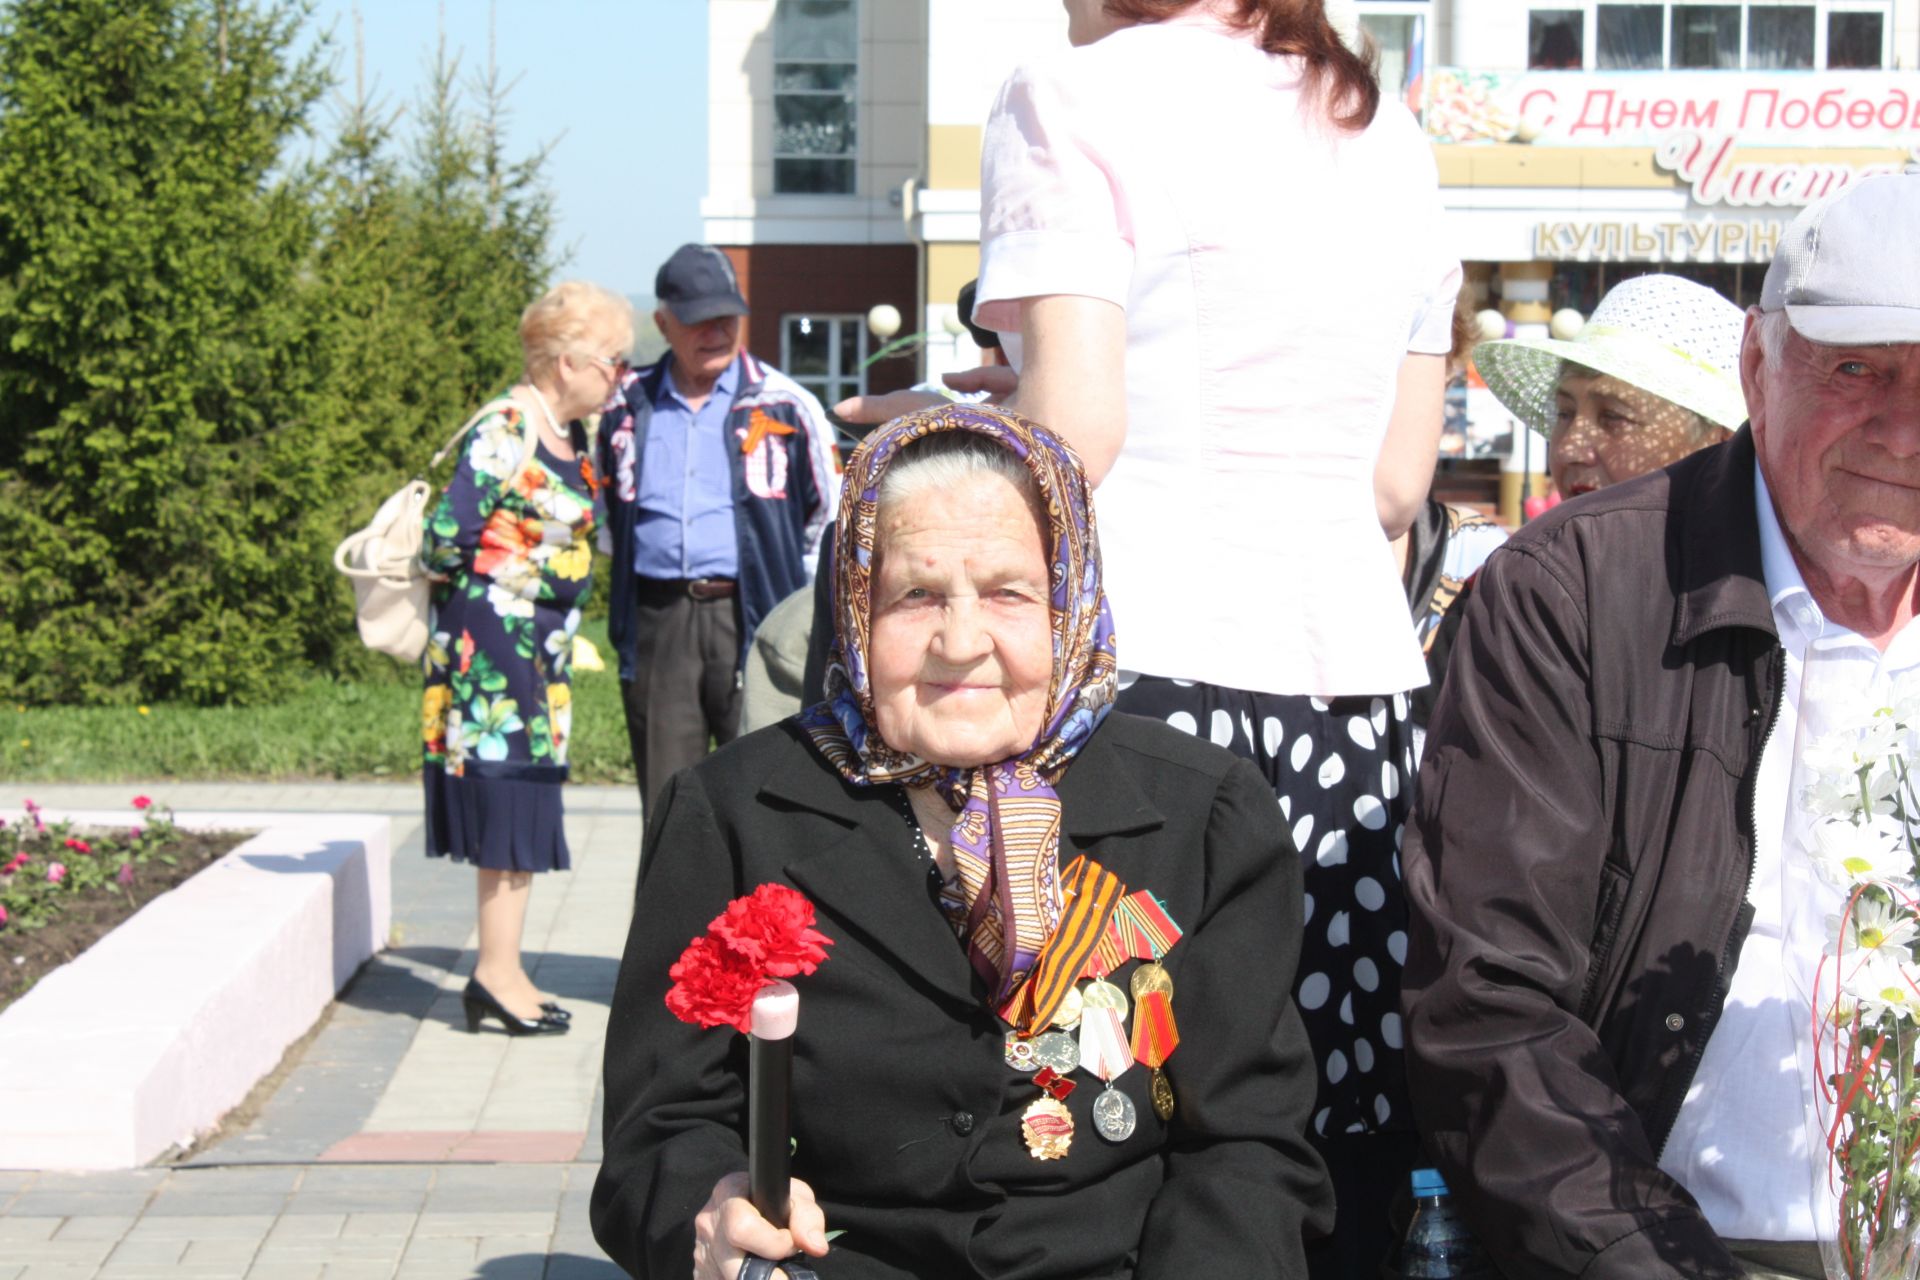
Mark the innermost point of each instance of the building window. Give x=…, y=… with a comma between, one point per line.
x=824, y=355
x=1719, y=36
x=1397, y=38
x=1779, y=37
x=1629, y=37
x=1856, y=41
x=815, y=74
x=1706, y=36
x=1556, y=39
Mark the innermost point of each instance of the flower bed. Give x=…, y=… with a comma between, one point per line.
x=63, y=887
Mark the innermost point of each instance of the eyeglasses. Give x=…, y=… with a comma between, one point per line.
x=618, y=364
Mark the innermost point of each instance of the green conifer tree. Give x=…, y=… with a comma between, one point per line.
x=156, y=465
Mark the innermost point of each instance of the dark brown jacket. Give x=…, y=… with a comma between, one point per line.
x=906, y=1114
x=1578, y=872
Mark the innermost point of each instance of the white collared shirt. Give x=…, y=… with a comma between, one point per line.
x=1741, y=1143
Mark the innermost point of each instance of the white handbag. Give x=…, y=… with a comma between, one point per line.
x=382, y=560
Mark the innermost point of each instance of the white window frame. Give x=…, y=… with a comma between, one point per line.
x=859, y=78
x=1590, y=31
x=841, y=383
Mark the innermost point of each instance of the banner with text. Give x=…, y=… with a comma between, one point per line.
x=1641, y=108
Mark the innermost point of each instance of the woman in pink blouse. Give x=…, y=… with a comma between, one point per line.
x=1216, y=259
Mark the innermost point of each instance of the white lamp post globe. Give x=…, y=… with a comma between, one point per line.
x=952, y=324
x=1491, y=325
x=1565, y=323
x=883, y=321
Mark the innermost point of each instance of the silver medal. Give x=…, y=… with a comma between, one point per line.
x=1114, y=1117
x=1058, y=1050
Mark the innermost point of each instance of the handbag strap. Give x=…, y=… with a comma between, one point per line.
x=489, y=407
x=529, y=438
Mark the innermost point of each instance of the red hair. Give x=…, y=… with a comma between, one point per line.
x=1343, y=79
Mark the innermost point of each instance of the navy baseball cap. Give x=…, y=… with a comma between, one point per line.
x=697, y=284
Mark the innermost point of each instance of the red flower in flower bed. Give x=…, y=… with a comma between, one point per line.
x=764, y=936
x=142, y=802
x=78, y=845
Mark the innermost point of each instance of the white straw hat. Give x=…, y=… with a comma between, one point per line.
x=1675, y=338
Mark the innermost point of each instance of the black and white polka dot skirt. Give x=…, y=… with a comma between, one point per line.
x=1341, y=768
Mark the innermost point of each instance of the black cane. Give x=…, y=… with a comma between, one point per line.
x=776, y=1011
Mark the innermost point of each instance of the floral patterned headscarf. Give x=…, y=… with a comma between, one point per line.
x=1006, y=838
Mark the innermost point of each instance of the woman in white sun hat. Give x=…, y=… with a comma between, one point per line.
x=1653, y=376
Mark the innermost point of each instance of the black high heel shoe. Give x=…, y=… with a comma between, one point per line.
x=480, y=1003
x=553, y=1010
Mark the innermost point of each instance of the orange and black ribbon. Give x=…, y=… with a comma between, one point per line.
x=1090, y=893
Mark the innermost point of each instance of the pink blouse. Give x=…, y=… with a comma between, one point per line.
x=1274, y=273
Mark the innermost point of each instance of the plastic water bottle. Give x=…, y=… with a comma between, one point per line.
x=1438, y=1245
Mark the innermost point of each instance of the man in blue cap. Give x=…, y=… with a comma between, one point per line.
x=1621, y=872
x=720, y=476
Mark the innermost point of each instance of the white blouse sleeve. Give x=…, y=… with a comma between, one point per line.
x=1053, y=215
x=1431, y=331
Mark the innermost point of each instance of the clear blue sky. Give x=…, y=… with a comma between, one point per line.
x=619, y=87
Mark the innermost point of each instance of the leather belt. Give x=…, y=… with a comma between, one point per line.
x=693, y=588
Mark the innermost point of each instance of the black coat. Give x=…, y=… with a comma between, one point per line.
x=907, y=1117
x=1578, y=863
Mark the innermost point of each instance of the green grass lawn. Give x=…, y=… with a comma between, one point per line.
x=325, y=729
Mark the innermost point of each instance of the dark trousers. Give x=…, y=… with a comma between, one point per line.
x=685, y=691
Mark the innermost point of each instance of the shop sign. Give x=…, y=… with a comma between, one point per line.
x=1697, y=240
x=1709, y=166
x=1642, y=108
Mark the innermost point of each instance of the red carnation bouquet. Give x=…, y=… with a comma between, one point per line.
x=757, y=940
x=735, y=976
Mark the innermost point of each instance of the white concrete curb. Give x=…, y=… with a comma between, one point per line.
x=166, y=1023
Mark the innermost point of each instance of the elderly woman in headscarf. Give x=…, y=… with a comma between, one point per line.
x=964, y=811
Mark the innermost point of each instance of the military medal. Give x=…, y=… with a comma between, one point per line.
x=1114, y=1117
x=1150, y=977
x=1047, y=1126
x=1104, y=995
x=1161, y=1093
x=1056, y=1049
x=1067, y=1016
x=1019, y=1053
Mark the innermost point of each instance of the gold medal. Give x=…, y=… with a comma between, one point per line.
x=1067, y=1016
x=1104, y=995
x=1151, y=977
x=1161, y=1092
x=1048, y=1128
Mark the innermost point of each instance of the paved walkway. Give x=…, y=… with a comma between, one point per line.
x=396, y=1145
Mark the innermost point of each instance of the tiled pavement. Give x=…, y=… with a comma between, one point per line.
x=397, y=1146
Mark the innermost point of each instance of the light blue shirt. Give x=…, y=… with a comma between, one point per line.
x=683, y=514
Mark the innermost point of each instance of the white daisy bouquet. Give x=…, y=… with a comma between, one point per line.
x=1865, y=817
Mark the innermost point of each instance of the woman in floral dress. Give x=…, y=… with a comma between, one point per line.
x=511, y=545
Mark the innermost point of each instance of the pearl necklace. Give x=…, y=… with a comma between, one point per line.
x=553, y=423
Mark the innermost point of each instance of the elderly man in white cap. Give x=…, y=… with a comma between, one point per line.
x=1608, y=980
